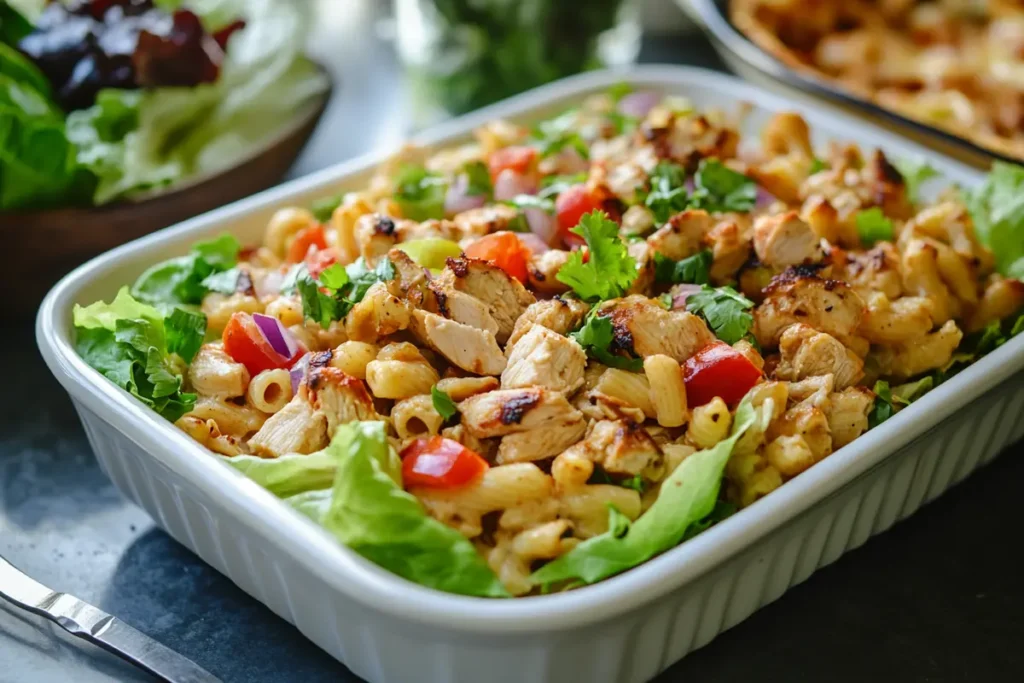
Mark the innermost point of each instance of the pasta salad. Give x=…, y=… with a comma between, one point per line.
x=532, y=361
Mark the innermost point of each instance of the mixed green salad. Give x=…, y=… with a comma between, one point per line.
x=103, y=100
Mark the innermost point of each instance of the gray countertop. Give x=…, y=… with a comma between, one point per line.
x=935, y=599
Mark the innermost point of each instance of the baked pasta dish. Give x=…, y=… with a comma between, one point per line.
x=957, y=65
x=537, y=359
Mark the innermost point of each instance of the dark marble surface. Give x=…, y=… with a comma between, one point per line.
x=938, y=598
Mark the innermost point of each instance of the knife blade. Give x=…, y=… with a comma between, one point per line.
x=92, y=624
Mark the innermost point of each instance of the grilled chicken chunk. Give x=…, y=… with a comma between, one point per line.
x=538, y=444
x=683, y=235
x=799, y=296
x=875, y=270
x=508, y=411
x=375, y=235
x=469, y=348
x=463, y=308
x=542, y=358
x=543, y=271
x=504, y=296
x=847, y=414
x=379, y=314
x=340, y=398
x=646, y=328
x=560, y=315
x=411, y=277
x=296, y=428
x=598, y=405
x=805, y=352
x=485, y=220
x=620, y=447
x=214, y=373
x=784, y=239
x=730, y=249
x=924, y=353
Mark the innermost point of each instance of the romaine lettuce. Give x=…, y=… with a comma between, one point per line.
x=126, y=341
x=687, y=497
x=373, y=515
x=997, y=208
x=288, y=475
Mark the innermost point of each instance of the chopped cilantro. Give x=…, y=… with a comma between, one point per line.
x=725, y=310
x=817, y=166
x=667, y=195
x=719, y=188
x=478, y=179
x=691, y=270
x=597, y=337
x=420, y=193
x=610, y=269
x=623, y=123
x=873, y=226
x=345, y=287
x=443, y=403
x=554, y=135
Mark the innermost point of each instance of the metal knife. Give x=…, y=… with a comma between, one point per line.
x=89, y=623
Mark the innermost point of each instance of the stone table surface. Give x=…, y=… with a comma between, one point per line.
x=938, y=598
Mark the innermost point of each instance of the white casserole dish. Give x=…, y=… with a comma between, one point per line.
x=627, y=628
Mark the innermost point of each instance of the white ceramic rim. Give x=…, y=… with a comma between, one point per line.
x=378, y=589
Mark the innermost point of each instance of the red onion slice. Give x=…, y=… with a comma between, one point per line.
x=298, y=372
x=764, y=198
x=277, y=335
x=638, y=104
x=456, y=200
x=509, y=184
x=542, y=224
x=682, y=293
x=532, y=242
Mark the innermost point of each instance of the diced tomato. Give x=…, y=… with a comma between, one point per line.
x=570, y=206
x=442, y=463
x=312, y=236
x=718, y=370
x=246, y=345
x=319, y=261
x=517, y=158
x=504, y=250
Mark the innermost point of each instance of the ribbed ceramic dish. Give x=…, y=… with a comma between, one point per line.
x=626, y=629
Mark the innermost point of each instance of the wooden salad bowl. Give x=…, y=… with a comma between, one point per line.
x=45, y=245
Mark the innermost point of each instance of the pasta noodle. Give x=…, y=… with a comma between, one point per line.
x=667, y=390
x=270, y=391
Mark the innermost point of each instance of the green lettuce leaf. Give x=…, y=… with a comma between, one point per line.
x=312, y=504
x=185, y=332
x=13, y=26
x=687, y=496
x=420, y=193
x=873, y=226
x=290, y=474
x=38, y=165
x=346, y=286
x=265, y=82
x=127, y=342
x=373, y=515
x=997, y=208
x=915, y=172
x=180, y=281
